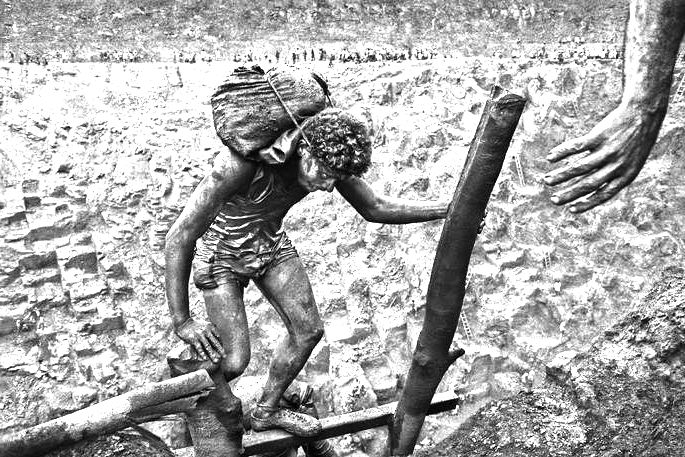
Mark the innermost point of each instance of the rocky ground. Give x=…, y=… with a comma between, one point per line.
x=98, y=159
x=623, y=397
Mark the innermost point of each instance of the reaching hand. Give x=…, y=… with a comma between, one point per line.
x=203, y=337
x=617, y=148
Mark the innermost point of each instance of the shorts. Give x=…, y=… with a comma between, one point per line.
x=218, y=270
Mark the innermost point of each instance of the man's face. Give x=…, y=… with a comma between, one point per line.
x=313, y=174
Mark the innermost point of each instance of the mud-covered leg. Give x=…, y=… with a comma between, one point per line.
x=287, y=287
x=216, y=424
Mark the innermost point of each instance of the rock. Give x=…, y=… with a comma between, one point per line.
x=504, y=384
x=113, y=269
x=101, y=367
x=511, y=259
x=32, y=201
x=90, y=286
x=15, y=360
x=83, y=347
x=353, y=394
x=10, y=320
x=84, y=396
x=12, y=216
x=35, y=278
x=174, y=432
x=381, y=377
x=38, y=260
x=105, y=324
x=48, y=295
x=83, y=257
x=12, y=296
x=319, y=361
x=559, y=367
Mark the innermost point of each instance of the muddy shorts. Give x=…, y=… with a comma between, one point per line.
x=221, y=269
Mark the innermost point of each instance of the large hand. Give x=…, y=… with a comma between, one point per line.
x=617, y=148
x=203, y=337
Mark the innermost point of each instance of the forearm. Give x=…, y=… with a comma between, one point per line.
x=653, y=35
x=389, y=210
x=178, y=256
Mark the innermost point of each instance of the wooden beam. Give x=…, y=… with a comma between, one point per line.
x=444, y=298
x=381, y=416
x=105, y=417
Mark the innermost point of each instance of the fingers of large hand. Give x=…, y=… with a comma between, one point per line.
x=577, y=168
x=215, y=340
x=208, y=347
x=199, y=348
x=602, y=195
x=586, y=185
x=573, y=146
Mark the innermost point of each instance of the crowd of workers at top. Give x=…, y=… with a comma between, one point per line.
x=566, y=51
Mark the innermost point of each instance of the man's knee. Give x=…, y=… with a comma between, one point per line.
x=310, y=334
x=233, y=365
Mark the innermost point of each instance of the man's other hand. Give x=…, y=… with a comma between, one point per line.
x=609, y=158
x=203, y=337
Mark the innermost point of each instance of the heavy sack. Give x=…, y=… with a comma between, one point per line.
x=248, y=115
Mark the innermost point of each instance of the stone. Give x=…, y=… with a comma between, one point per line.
x=12, y=296
x=38, y=260
x=8, y=274
x=84, y=396
x=113, y=269
x=12, y=216
x=86, y=347
x=319, y=361
x=89, y=287
x=560, y=366
x=511, y=259
x=120, y=287
x=80, y=256
x=48, y=295
x=504, y=384
x=105, y=324
x=37, y=277
x=174, y=432
x=381, y=377
x=10, y=320
x=32, y=201
x=353, y=393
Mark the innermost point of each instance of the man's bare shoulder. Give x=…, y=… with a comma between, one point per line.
x=229, y=165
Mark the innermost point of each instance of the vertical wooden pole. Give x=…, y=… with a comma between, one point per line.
x=445, y=296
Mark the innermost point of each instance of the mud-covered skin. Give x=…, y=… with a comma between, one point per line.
x=624, y=397
x=610, y=156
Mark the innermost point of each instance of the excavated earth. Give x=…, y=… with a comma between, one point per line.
x=624, y=397
x=97, y=160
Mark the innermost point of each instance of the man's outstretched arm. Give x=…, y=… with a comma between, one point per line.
x=618, y=146
x=229, y=174
x=388, y=210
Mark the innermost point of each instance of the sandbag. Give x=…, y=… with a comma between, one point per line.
x=248, y=115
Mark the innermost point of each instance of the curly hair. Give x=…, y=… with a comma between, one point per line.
x=340, y=141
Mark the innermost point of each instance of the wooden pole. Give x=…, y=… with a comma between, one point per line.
x=271, y=441
x=445, y=296
x=105, y=417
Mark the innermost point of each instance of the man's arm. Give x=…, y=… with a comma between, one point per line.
x=619, y=145
x=229, y=174
x=388, y=210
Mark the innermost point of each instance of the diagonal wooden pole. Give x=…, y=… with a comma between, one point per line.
x=432, y=356
x=114, y=414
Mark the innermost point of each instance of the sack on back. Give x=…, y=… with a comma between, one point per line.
x=248, y=114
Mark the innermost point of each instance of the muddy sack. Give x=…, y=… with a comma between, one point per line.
x=248, y=115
